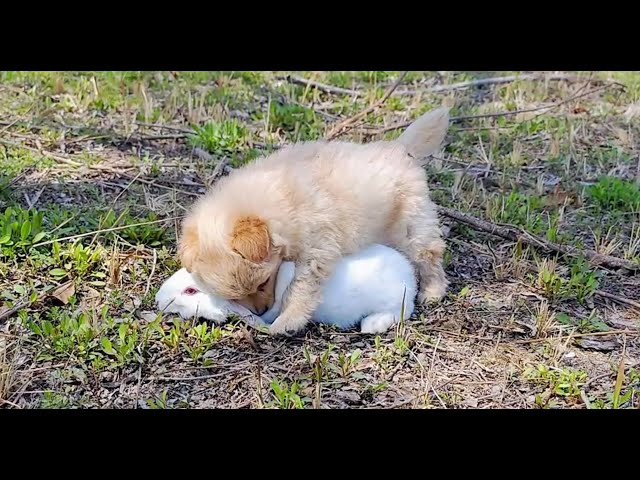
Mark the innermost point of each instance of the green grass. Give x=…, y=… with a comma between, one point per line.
x=97, y=167
x=555, y=384
x=221, y=138
x=610, y=194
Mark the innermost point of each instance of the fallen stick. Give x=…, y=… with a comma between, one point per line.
x=342, y=126
x=500, y=80
x=317, y=85
x=9, y=312
x=441, y=88
x=581, y=335
x=506, y=113
x=106, y=230
x=222, y=166
x=516, y=234
x=618, y=298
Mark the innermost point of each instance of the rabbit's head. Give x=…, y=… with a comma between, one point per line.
x=181, y=294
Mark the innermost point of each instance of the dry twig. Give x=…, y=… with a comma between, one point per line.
x=516, y=234
x=500, y=80
x=317, y=85
x=618, y=298
x=402, y=125
x=343, y=126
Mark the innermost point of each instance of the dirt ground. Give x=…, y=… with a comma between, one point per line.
x=104, y=164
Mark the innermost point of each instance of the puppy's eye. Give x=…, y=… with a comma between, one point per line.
x=190, y=291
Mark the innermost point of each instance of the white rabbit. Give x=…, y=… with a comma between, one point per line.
x=367, y=288
x=181, y=294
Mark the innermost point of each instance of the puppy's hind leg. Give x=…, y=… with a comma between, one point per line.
x=433, y=280
x=421, y=240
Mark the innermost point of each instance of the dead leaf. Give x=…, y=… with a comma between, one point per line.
x=64, y=292
x=558, y=197
x=58, y=87
x=146, y=316
x=471, y=402
x=580, y=109
x=246, y=335
x=348, y=396
x=620, y=323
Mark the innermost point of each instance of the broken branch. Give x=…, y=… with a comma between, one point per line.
x=317, y=85
x=519, y=235
x=399, y=126
x=343, y=126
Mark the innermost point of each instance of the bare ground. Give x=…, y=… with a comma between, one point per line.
x=499, y=340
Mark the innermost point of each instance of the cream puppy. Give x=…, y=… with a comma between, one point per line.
x=312, y=203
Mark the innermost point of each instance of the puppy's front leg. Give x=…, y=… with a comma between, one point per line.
x=302, y=298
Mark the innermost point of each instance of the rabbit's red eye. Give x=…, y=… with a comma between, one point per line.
x=190, y=291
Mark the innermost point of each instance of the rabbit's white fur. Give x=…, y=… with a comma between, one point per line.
x=172, y=299
x=368, y=288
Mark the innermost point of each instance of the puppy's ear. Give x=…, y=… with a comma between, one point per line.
x=188, y=246
x=250, y=239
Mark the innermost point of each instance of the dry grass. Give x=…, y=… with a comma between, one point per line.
x=75, y=146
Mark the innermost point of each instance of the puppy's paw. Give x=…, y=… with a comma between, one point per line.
x=432, y=293
x=286, y=325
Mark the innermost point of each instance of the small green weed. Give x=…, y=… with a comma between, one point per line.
x=548, y=279
x=285, y=396
x=581, y=285
x=54, y=401
x=617, y=398
x=225, y=137
x=173, y=338
x=298, y=123
x=14, y=160
x=19, y=230
x=320, y=364
x=348, y=362
x=158, y=402
x=556, y=382
x=151, y=234
x=84, y=336
x=63, y=333
x=199, y=340
x=612, y=193
x=78, y=261
x=592, y=323
x=341, y=79
x=125, y=346
x=583, y=282
x=517, y=209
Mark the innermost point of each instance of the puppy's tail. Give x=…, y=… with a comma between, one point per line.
x=425, y=135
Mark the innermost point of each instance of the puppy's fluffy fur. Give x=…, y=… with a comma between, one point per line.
x=313, y=203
